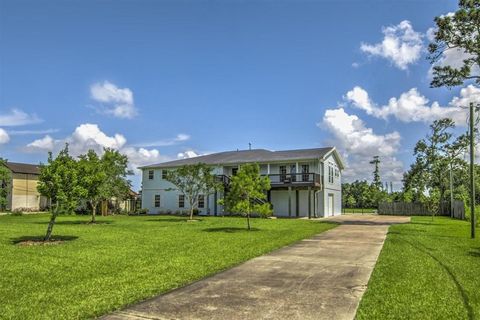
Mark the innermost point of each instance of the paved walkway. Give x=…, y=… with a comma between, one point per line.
x=319, y=278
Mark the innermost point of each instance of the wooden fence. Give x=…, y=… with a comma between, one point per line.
x=419, y=209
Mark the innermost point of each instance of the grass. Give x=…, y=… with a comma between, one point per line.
x=426, y=270
x=102, y=267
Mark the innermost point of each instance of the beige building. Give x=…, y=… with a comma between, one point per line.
x=23, y=194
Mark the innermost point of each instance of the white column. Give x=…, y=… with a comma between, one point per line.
x=268, y=168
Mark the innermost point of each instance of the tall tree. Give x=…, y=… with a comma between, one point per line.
x=457, y=32
x=247, y=192
x=193, y=180
x=92, y=178
x=5, y=181
x=58, y=181
x=376, y=172
x=429, y=174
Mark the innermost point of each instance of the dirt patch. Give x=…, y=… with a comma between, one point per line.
x=27, y=243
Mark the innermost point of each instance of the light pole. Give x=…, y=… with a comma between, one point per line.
x=472, y=172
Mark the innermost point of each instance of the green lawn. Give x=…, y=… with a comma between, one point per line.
x=426, y=270
x=124, y=259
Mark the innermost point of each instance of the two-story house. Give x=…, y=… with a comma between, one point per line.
x=304, y=183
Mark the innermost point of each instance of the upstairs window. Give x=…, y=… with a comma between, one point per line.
x=157, y=201
x=330, y=174
x=181, y=201
x=283, y=173
x=201, y=201
x=305, y=171
x=164, y=174
x=337, y=173
x=150, y=174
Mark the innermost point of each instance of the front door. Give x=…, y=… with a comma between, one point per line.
x=330, y=205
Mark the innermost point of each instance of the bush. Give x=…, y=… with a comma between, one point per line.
x=17, y=212
x=142, y=211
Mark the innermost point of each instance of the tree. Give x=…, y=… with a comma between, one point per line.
x=428, y=177
x=5, y=181
x=193, y=180
x=58, y=181
x=247, y=193
x=459, y=32
x=376, y=172
x=115, y=184
x=92, y=178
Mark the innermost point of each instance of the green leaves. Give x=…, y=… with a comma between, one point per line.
x=460, y=32
x=247, y=192
x=193, y=180
x=5, y=180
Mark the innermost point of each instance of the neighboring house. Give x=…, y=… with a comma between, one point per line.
x=304, y=182
x=23, y=192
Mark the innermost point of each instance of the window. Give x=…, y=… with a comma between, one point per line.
x=337, y=173
x=150, y=174
x=283, y=173
x=234, y=171
x=157, y=201
x=201, y=201
x=293, y=173
x=330, y=174
x=164, y=174
x=305, y=171
x=181, y=201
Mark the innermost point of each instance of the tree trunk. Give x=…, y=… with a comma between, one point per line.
x=94, y=211
x=51, y=224
x=191, y=212
x=248, y=221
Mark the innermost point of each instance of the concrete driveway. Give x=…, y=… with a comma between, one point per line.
x=319, y=278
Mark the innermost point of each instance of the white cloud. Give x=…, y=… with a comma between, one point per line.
x=359, y=144
x=454, y=58
x=43, y=144
x=411, y=106
x=187, y=154
x=90, y=136
x=17, y=117
x=116, y=101
x=401, y=45
x=182, y=137
x=4, y=137
x=29, y=132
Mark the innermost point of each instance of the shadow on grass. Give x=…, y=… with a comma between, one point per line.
x=461, y=290
x=39, y=239
x=171, y=220
x=230, y=229
x=474, y=252
x=77, y=222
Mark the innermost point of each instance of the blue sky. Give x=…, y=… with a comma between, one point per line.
x=165, y=79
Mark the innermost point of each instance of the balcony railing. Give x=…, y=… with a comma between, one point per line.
x=294, y=178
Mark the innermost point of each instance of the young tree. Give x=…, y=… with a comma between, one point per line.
x=115, y=185
x=5, y=181
x=193, y=180
x=247, y=192
x=92, y=178
x=58, y=181
x=457, y=32
x=376, y=172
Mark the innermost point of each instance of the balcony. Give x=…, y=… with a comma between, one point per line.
x=295, y=180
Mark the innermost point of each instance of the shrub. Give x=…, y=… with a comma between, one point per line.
x=17, y=212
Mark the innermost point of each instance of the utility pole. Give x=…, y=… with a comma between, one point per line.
x=451, y=190
x=472, y=172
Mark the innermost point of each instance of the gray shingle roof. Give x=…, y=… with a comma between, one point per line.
x=244, y=156
x=17, y=167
